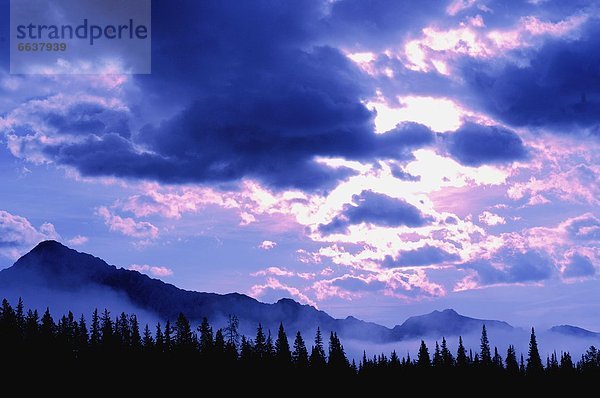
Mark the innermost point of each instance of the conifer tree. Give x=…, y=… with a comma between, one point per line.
x=184, y=339
x=106, y=328
x=337, y=356
x=136, y=339
x=300, y=353
x=512, y=366
x=447, y=358
x=47, y=327
x=147, y=340
x=159, y=338
x=270, y=346
x=485, y=356
x=461, y=355
x=282, y=348
x=206, y=337
x=534, y=362
x=437, y=356
x=566, y=363
x=260, y=344
x=95, y=332
x=219, y=343
x=168, y=336
x=423, y=359
x=497, y=360
x=522, y=365
x=317, y=355
x=83, y=337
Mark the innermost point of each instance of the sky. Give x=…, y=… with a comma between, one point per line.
x=372, y=158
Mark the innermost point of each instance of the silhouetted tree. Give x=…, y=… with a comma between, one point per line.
x=566, y=363
x=168, y=336
x=206, y=337
x=232, y=334
x=184, y=339
x=534, y=362
x=447, y=358
x=300, y=353
x=497, y=360
x=522, y=365
x=317, y=355
x=485, y=356
x=147, y=339
x=282, y=348
x=461, y=355
x=512, y=366
x=260, y=344
x=106, y=330
x=423, y=359
x=437, y=356
x=219, y=343
x=159, y=339
x=337, y=357
x=95, y=331
x=136, y=339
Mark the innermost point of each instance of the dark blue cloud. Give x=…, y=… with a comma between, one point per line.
x=260, y=97
x=518, y=267
x=88, y=118
x=559, y=88
x=579, y=266
x=378, y=209
x=376, y=23
x=425, y=255
x=474, y=145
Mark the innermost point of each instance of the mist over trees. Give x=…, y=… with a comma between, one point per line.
x=119, y=340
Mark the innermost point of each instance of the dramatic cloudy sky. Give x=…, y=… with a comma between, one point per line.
x=370, y=157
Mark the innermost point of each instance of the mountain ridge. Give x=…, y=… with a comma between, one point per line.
x=55, y=266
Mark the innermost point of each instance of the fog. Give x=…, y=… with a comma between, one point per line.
x=80, y=302
x=547, y=343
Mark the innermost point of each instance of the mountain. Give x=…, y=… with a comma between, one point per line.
x=52, y=268
x=443, y=323
x=574, y=331
x=82, y=281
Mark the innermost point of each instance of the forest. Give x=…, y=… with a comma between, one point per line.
x=119, y=343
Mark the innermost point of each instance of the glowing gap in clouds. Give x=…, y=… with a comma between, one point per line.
x=445, y=117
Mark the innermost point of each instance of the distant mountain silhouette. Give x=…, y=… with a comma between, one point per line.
x=574, y=331
x=443, y=323
x=53, y=267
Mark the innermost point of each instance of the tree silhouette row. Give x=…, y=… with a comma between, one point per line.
x=24, y=335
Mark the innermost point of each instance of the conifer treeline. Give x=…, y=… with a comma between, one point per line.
x=24, y=334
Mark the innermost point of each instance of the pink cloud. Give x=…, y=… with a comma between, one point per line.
x=78, y=240
x=127, y=225
x=491, y=219
x=258, y=291
x=17, y=235
x=151, y=269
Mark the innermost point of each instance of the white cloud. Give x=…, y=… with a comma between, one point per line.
x=78, y=240
x=491, y=219
x=17, y=235
x=267, y=245
x=151, y=269
x=127, y=225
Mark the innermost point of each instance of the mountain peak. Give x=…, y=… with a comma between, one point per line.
x=49, y=246
x=444, y=323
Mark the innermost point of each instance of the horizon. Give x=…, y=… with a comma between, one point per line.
x=373, y=159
